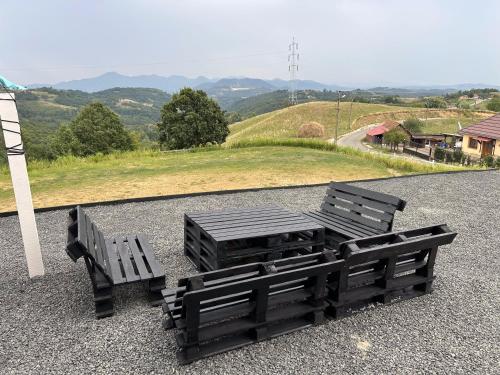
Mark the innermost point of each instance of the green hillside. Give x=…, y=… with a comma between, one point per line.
x=284, y=123
x=49, y=108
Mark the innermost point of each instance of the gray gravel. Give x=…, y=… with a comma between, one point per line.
x=48, y=326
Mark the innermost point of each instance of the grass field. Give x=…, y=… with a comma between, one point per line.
x=450, y=124
x=285, y=123
x=140, y=174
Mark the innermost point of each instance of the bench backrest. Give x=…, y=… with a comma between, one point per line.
x=370, y=208
x=85, y=239
x=391, y=257
x=249, y=293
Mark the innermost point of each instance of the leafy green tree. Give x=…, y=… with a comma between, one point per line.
x=435, y=102
x=395, y=137
x=232, y=117
x=95, y=129
x=391, y=99
x=413, y=125
x=191, y=119
x=65, y=142
x=494, y=104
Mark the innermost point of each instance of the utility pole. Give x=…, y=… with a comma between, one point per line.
x=293, y=68
x=338, y=112
x=350, y=111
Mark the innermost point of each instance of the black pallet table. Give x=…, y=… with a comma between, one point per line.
x=219, y=239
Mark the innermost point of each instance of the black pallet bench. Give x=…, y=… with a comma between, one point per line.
x=220, y=239
x=113, y=262
x=387, y=267
x=350, y=212
x=223, y=310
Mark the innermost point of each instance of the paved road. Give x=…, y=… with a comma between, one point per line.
x=355, y=138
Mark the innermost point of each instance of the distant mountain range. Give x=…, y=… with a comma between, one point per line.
x=225, y=90
x=174, y=83
x=112, y=80
x=230, y=90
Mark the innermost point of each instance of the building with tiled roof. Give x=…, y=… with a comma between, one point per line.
x=482, y=139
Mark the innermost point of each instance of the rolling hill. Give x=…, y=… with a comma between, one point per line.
x=284, y=123
x=48, y=107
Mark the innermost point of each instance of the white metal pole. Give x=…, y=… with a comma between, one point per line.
x=9, y=120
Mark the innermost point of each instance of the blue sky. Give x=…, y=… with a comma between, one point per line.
x=340, y=41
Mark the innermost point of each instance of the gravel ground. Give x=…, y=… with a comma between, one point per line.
x=48, y=326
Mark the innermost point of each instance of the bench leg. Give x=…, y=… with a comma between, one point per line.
x=155, y=286
x=103, y=292
x=103, y=296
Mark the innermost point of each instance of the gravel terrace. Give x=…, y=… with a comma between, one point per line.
x=48, y=326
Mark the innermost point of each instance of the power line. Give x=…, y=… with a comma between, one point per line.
x=293, y=68
x=214, y=59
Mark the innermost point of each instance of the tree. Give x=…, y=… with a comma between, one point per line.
x=65, y=142
x=435, y=102
x=494, y=104
x=394, y=137
x=192, y=119
x=232, y=117
x=413, y=125
x=95, y=129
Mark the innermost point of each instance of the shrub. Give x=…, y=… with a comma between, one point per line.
x=488, y=161
x=312, y=130
x=497, y=163
x=448, y=157
x=494, y=104
x=439, y=154
x=458, y=156
x=435, y=102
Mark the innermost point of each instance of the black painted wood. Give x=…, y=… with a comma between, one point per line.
x=219, y=239
x=350, y=212
x=112, y=261
x=381, y=268
x=226, y=309
x=221, y=310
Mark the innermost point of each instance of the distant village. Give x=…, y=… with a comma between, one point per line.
x=478, y=141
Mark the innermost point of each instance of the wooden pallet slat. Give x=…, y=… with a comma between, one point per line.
x=124, y=256
x=227, y=238
x=144, y=274
x=248, y=303
x=111, y=262
x=155, y=267
x=350, y=212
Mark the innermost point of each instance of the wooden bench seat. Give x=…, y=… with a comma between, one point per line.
x=112, y=262
x=226, y=309
x=381, y=268
x=350, y=212
x=221, y=310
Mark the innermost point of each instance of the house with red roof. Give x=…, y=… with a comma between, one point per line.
x=376, y=134
x=482, y=139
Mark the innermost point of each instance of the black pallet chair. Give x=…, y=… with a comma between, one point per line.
x=112, y=262
x=387, y=267
x=349, y=212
